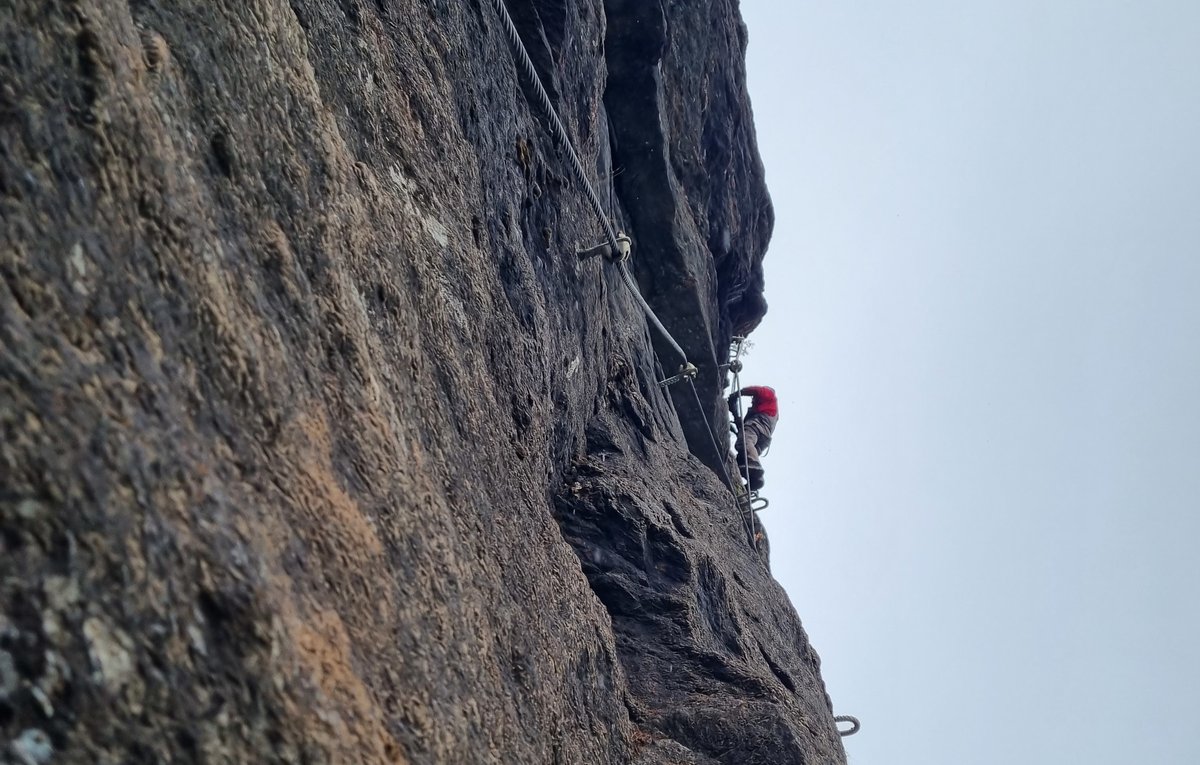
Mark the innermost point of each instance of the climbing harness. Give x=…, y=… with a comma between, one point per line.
x=855, y=725
x=617, y=247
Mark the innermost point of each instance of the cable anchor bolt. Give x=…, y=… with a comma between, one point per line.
x=686, y=371
x=624, y=245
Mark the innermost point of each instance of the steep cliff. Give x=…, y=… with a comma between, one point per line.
x=318, y=443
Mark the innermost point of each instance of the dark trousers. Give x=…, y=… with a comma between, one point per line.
x=755, y=438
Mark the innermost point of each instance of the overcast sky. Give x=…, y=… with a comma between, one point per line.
x=985, y=334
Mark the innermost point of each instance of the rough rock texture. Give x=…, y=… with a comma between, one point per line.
x=691, y=182
x=319, y=444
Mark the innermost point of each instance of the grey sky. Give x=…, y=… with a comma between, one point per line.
x=985, y=310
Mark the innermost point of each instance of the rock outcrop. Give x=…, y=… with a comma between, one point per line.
x=318, y=443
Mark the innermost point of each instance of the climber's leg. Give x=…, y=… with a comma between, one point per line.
x=752, y=433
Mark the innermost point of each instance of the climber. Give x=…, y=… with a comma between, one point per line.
x=755, y=430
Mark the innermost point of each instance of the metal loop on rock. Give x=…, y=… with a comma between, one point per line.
x=855, y=725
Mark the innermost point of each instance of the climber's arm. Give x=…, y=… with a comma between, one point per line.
x=733, y=400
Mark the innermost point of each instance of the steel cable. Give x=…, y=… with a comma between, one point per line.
x=560, y=132
x=753, y=526
x=564, y=140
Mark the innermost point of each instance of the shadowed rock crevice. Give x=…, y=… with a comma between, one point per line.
x=692, y=187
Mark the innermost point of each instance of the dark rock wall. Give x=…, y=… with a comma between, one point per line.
x=691, y=182
x=317, y=442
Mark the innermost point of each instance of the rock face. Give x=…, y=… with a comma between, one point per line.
x=318, y=443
